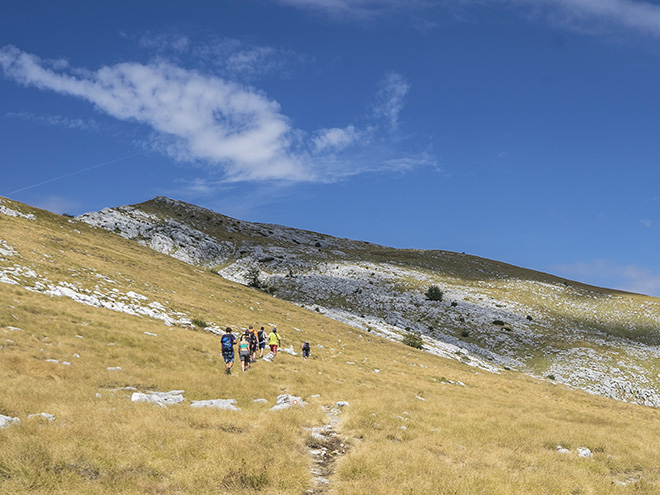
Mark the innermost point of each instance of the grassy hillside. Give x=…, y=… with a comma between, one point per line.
x=415, y=423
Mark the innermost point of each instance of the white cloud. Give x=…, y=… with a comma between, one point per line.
x=335, y=139
x=196, y=117
x=607, y=273
x=391, y=98
x=207, y=117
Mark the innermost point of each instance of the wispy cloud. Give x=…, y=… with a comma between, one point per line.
x=234, y=59
x=593, y=16
x=57, y=204
x=236, y=128
x=642, y=17
x=56, y=121
x=607, y=273
x=358, y=9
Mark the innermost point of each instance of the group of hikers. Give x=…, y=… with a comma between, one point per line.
x=250, y=343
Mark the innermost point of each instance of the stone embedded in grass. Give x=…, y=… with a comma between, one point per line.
x=162, y=399
x=151, y=334
x=289, y=350
x=260, y=400
x=341, y=403
x=562, y=450
x=44, y=415
x=114, y=368
x=584, y=452
x=6, y=421
x=217, y=403
x=286, y=401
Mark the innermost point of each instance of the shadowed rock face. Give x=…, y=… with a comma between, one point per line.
x=546, y=326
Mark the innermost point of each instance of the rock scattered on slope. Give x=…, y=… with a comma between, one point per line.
x=228, y=404
x=286, y=401
x=162, y=399
x=6, y=421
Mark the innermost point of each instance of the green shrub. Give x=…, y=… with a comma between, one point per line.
x=198, y=322
x=434, y=293
x=413, y=339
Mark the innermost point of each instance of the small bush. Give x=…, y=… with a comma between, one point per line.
x=198, y=322
x=413, y=339
x=434, y=293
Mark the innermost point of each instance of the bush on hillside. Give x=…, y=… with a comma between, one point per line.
x=413, y=339
x=198, y=322
x=434, y=293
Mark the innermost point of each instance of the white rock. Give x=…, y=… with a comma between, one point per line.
x=47, y=416
x=260, y=400
x=151, y=334
x=420, y=398
x=562, y=450
x=289, y=350
x=52, y=361
x=341, y=403
x=6, y=421
x=114, y=368
x=269, y=357
x=286, y=401
x=160, y=398
x=584, y=452
x=216, y=403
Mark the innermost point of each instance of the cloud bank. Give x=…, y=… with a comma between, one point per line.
x=203, y=118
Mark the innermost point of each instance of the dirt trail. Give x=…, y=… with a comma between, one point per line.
x=325, y=447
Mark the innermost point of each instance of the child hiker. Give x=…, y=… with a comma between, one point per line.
x=306, y=349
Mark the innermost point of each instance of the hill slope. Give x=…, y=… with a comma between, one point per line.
x=599, y=340
x=87, y=319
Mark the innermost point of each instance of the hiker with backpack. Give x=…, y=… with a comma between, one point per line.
x=274, y=341
x=254, y=344
x=227, y=342
x=306, y=349
x=244, y=351
x=261, y=336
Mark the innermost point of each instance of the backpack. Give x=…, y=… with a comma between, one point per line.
x=226, y=343
x=305, y=346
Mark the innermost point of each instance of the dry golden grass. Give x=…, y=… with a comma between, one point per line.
x=496, y=435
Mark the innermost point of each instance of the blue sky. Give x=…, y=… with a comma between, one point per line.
x=518, y=130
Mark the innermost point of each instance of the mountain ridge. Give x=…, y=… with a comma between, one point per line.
x=493, y=314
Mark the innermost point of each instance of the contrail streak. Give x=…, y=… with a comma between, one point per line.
x=76, y=173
